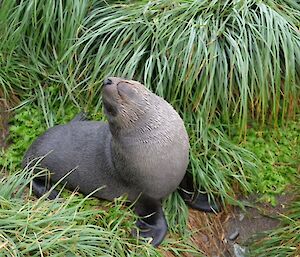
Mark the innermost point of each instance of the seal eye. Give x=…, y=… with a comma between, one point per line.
x=126, y=91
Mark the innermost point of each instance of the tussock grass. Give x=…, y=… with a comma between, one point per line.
x=218, y=164
x=229, y=59
x=69, y=227
x=35, y=40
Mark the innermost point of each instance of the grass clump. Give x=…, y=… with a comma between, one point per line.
x=35, y=40
x=49, y=228
x=67, y=227
x=218, y=164
x=216, y=59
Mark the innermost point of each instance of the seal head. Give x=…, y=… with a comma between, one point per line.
x=125, y=102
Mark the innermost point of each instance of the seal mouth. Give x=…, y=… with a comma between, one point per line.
x=118, y=89
x=109, y=90
x=110, y=97
x=110, y=108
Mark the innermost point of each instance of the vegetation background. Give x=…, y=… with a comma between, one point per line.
x=230, y=68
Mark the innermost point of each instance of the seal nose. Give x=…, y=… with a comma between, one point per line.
x=107, y=81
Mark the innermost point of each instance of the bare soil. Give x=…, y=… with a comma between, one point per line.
x=226, y=234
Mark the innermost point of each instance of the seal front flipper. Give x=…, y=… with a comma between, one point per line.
x=41, y=187
x=194, y=199
x=152, y=222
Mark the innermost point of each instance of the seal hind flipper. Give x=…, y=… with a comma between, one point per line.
x=82, y=116
x=152, y=222
x=195, y=199
x=200, y=202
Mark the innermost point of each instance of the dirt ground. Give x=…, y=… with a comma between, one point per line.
x=225, y=234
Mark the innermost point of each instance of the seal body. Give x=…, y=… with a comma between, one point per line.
x=142, y=151
x=146, y=154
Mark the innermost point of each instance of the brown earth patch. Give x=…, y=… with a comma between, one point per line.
x=225, y=234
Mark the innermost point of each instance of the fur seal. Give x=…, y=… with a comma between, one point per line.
x=142, y=151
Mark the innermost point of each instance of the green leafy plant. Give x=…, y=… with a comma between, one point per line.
x=278, y=152
x=26, y=126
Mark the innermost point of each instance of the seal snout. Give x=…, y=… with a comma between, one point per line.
x=109, y=87
x=107, y=81
x=117, y=87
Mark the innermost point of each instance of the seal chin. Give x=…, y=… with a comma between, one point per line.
x=110, y=97
x=109, y=90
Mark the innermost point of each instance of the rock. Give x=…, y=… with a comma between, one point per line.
x=239, y=251
x=234, y=235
